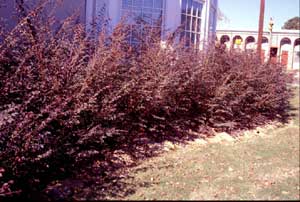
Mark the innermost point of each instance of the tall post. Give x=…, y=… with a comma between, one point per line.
x=270, y=44
x=260, y=26
x=271, y=23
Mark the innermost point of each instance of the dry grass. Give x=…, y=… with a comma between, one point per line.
x=256, y=166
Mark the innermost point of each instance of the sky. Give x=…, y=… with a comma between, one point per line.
x=244, y=14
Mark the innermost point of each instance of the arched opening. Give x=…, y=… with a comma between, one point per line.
x=297, y=42
x=225, y=39
x=296, y=60
x=250, y=43
x=237, y=42
x=285, y=41
x=285, y=50
x=265, y=40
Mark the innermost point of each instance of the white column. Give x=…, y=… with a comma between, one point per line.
x=114, y=11
x=96, y=10
x=293, y=56
x=89, y=16
x=205, y=24
x=296, y=58
x=172, y=15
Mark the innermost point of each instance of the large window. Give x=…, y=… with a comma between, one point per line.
x=191, y=11
x=142, y=15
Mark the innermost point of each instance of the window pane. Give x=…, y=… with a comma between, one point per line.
x=158, y=3
x=199, y=25
x=193, y=38
x=126, y=4
x=157, y=11
x=147, y=18
x=137, y=15
x=189, y=7
x=137, y=3
x=197, y=40
x=200, y=10
x=136, y=31
x=157, y=19
x=145, y=31
x=194, y=24
x=127, y=15
x=191, y=18
x=147, y=10
x=137, y=9
x=182, y=36
x=183, y=6
x=195, y=6
x=183, y=19
x=188, y=23
x=141, y=12
x=188, y=39
x=148, y=3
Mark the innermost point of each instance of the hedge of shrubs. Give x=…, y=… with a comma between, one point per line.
x=67, y=99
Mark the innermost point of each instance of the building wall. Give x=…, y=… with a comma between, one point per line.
x=285, y=40
x=61, y=11
x=6, y=12
x=172, y=15
x=93, y=12
x=114, y=11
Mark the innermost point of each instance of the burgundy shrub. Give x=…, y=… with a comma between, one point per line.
x=66, y=97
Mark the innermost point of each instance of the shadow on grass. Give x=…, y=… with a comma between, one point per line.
x=107, y=175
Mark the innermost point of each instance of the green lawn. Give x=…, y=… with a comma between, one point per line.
x=262, y=165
